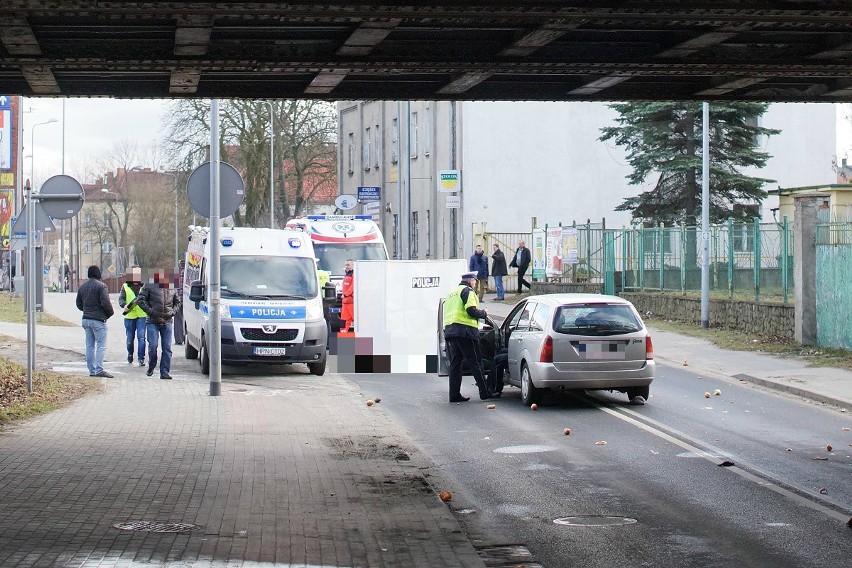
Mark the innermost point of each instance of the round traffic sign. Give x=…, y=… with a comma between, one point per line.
x=346, y=202
x=61, y=197
x=231, y=190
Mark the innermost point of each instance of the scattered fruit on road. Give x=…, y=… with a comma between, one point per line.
x=445, y=496
x=370, y=402
x=706, y=395
x=601, y=443
x=567, y=431
x=491, y=406
x=533, y=406
x=829, y=447
x=717, y=392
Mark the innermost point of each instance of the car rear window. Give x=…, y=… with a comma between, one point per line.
x=596, y=319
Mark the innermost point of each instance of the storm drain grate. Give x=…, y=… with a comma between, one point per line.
x=594, y=521
x=154, y=526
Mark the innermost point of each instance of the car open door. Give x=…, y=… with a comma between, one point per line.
x=443, y=359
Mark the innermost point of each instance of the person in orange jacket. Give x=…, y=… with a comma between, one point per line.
x=347, y=309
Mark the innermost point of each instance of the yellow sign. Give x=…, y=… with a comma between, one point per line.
x=7, y=179
x=111, y=269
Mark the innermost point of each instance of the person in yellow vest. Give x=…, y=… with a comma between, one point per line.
x=134, y=317
x=461, y=332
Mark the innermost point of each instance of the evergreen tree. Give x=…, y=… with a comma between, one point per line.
x=664, y=138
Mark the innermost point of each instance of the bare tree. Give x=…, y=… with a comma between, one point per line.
x=304, y=137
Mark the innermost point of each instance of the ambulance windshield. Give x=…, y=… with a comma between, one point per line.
x=287, y=277
x=331, y=257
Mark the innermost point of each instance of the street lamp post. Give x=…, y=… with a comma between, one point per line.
x=31, y=209
x=174, y=190
x=106, y=191
x=271, y=165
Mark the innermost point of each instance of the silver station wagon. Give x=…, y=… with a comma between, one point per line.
x=577, y=341
x=565, y=342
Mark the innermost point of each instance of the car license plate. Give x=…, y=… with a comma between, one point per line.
x=334, y=310
x=273, y=351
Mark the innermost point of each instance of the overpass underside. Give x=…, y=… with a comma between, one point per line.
x=462, y=50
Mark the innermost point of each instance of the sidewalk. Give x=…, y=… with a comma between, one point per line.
x=822, y=384
x=288, y=470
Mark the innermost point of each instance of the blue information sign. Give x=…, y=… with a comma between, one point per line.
x=369, y=193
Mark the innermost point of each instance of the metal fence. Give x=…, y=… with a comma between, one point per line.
x=749, y=260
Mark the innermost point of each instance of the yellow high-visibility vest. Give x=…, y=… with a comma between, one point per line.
x=455, y=311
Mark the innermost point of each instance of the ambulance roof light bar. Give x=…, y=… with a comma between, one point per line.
x=334, y=217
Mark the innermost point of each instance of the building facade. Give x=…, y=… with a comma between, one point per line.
x=523, y=165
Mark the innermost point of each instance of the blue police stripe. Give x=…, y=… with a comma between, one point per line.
x=267, y=312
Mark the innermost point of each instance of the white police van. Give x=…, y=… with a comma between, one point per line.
x=271, y=304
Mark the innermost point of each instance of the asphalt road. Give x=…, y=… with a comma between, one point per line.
x=514, y=472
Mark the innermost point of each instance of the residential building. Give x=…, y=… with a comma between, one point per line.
x=523, y=164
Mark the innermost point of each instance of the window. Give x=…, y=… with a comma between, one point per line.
x=351, y=154
x=539, y=318
x=412, y=134
x=427, y=131
x=415, y=234
x=396, y=236
x=366, y=146
x=87, y=222
x=378, y=150
x=428, y=233
x=87, y=246
x=395, y=141
x=106, y=246
x=106, y=218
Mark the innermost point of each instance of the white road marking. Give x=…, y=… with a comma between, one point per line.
x=763, y=480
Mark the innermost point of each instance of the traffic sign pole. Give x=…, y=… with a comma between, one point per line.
x=30, y=286
x=214, y=342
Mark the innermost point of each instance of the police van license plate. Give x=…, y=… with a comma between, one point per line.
x=270, y=351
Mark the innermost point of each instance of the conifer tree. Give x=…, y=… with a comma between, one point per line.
x=665, y=139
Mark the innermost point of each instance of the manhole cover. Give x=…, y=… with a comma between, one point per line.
x=594, y=521
x=154, y=526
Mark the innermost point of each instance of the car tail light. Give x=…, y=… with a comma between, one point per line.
x=547, y=351
x=649, y=349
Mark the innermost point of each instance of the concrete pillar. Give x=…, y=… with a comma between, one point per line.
x=804, y=267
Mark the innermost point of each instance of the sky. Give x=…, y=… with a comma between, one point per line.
x=94, y=126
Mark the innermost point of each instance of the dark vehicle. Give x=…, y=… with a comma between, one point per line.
x=568, y=342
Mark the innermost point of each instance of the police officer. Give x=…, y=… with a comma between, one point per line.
x=461, y=332
x=134, y=317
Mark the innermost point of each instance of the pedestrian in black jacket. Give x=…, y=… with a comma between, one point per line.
x=521, y=261
x=93, y=301
x=498, y=271
x=161, y=302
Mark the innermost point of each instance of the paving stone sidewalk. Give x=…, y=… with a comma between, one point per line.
x=289, y=470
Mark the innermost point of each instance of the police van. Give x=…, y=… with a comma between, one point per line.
x=337, y=238
x=271, y=305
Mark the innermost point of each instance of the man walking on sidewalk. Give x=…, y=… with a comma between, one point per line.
x=521, y=261
x=161, y=302
x=93, y=301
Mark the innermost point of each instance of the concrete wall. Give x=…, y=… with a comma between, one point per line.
x=756, y=318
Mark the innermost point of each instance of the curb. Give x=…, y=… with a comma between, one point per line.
x=793, y=390
x=766, y=383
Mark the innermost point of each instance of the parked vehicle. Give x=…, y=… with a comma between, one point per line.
x=337, y=238
x=271, y=307
x=570, y=342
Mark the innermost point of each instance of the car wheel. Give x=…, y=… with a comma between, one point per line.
x=529, y=393
x=204, y=357
x=189, y=351
x=644, y=392
x=318, y=368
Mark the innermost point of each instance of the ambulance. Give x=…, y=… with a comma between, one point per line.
x=271, y=304
x=337, y=238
